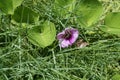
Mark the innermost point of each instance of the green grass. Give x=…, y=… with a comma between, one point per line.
x=20, y=60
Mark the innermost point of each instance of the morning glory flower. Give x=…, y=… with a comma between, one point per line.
x=67, y=37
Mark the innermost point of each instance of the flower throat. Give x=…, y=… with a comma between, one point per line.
x=67, y=34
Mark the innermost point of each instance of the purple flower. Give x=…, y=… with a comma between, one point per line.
x=67, y=37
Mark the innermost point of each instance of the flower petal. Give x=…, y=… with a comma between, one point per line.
x=59, y=36
x=64, y=43
x=74, y=35
x=67, y=28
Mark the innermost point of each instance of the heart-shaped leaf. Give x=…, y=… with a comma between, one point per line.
x=88, y=12
x=42, y=36
x=8, y=6
x=116, y=77
x=25, y=15
x=112, y=23
x=113, y=20
x=63, y=8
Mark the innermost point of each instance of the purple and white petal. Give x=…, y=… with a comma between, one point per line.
x=74, y=36
x=64, y=43
x=60, y=35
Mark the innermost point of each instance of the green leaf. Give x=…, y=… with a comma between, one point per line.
x=42, y=36
x=110, y=30
x=8, y=6
x=112, y=23
x=63, y=8
x=116, y=77
x=25, y=15
x=88, y=12
x=112, y=20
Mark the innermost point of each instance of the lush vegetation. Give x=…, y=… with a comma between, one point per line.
x=30, y=50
